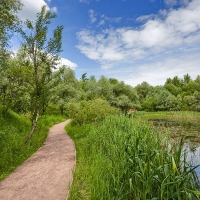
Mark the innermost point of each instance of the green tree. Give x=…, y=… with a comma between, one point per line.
x=197, y=80
x=91, y=89
x=160, y=99
x=104, y=88
x=168, y=81
x=191, y=87
x=186, y=79
x=43, y=54
x=66, y=88
x=15, y=92
x=173, y=103
x=9, y=20
x=148, y=104
x=173, y=89
x=9, y=23
x=142, y=90
x=177, y=82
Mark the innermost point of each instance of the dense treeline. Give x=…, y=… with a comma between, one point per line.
x=63, y=89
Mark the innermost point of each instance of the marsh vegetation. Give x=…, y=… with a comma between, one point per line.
x=130, y=158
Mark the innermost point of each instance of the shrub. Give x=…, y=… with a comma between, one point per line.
x=87, y=112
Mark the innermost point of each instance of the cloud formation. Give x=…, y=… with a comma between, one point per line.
x=92, y=16
x=30, y=9
x=156, y=72
x=68, y=63
x=85, y=1
x=165, y=33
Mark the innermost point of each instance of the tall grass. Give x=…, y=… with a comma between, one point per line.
x=127, y=159
x=13, y=130
x=181, y=115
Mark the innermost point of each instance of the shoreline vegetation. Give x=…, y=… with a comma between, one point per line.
x=127, y=158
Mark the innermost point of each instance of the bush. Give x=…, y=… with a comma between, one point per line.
x=87, y=112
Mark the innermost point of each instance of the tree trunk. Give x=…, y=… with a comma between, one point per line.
x=33, y=126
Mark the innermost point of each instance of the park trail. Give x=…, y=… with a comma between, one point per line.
x=47, y=174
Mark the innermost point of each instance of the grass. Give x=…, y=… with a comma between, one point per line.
x=179, y=115
x=13, y=130
x=123, y=159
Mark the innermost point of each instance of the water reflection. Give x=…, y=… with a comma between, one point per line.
x=183, y=128
x=193, y=157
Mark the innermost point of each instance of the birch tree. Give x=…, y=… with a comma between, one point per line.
x=43, y=53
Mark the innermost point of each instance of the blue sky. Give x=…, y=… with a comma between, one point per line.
x=131, y=40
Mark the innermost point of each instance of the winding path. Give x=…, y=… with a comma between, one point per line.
x=47, y=174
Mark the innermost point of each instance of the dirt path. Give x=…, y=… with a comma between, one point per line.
x=47, y=174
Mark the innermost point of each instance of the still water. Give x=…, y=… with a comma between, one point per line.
x=182, y=128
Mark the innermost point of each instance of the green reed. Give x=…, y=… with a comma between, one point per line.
x=128, y=159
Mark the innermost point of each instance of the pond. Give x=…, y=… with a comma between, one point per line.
x=191, y=130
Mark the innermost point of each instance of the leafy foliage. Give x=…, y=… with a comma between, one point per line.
x=87, y=112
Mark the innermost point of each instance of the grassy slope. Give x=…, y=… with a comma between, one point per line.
x=13, y=130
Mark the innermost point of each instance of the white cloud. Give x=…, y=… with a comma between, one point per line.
x=84, y=1
x=54, y=9
x=156, y=71
x=30, y=9
x=145, y=17
x=169, y=31
x=92, y=16
x=171, y=2
x=68, y=63
x=105, y=19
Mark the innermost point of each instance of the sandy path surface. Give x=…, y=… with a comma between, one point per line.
x=47, y=174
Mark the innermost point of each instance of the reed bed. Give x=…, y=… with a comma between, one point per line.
x=123, y=159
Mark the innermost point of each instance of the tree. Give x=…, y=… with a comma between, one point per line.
x=173, y=89
x=66, y=88
x=197, y=80
x=177, y=82
x=142, y=90
x=173, y=103
x=148, y=104
x=91, y=89
x=15, y=92
x=43, y=54
x=8, y=24
x=186, y=79
x=191, y=87
x=104, y=88
x=160, y=99
x=9, y=19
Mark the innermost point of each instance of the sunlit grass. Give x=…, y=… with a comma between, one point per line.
x=128, y=159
